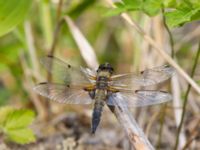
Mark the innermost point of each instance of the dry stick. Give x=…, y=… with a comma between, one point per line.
x=135, y=134
x=127, y=18
x=186, y=98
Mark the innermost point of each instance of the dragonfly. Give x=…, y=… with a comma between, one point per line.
x=78, y=85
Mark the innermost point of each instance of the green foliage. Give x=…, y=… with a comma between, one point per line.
x=150, y=7
x=183, y=13
x=80, y=8
x=9, y=50
x=179, y=14
x=12, y=12
x=14, y=124
x=5, y=95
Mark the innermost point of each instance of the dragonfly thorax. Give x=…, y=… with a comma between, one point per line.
x=103, y=76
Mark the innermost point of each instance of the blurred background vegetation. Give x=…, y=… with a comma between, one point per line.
x=32, y=29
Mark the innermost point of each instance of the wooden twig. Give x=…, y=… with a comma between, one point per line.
x=124, y=116
x=162, y=52
x=134, y=132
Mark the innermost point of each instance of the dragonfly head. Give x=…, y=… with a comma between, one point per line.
x=105, y=67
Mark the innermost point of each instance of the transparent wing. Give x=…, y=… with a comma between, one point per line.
x=63, y=72
x=146, y=78
x=138, y=98
x=91, y=74
x=63, y=94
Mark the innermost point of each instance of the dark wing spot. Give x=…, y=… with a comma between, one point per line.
x=50, y=56
x=43, y=83
x=69, y=66
x=68, y=86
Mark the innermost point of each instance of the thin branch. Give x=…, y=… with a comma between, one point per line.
x=186, y=98
x=57, y=28
x=171, y=40
x=176, y=95
x=59, y=10
x=162, y=52
x=56, y=36
x=163, y=108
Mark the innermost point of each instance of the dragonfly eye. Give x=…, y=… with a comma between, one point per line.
x=105, y=67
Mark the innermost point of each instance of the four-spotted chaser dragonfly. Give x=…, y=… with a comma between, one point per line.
x=77, y=85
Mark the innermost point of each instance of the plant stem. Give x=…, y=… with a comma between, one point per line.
x=160, y=51
x=171, y=40
x=55, y=37
x=163, y=108
x=186, y=98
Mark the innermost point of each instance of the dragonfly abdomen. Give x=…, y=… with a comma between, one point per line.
x=96, y=116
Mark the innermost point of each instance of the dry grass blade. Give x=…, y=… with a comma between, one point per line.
x=31, y=49
x=135, y=134
x=41, y=109
x=86, y=50
x=127, y=18
x=177, y=103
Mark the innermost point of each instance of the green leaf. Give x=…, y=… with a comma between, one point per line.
x=19, y=119
x=4, y=111
x=122, y=8
x=170, y=3
x=152, y=7
x=12, y=12
x=116, y=11
x=14, y=124
x=21, y=136
x=80, y=8
x=132, y=3
x=184, y=13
